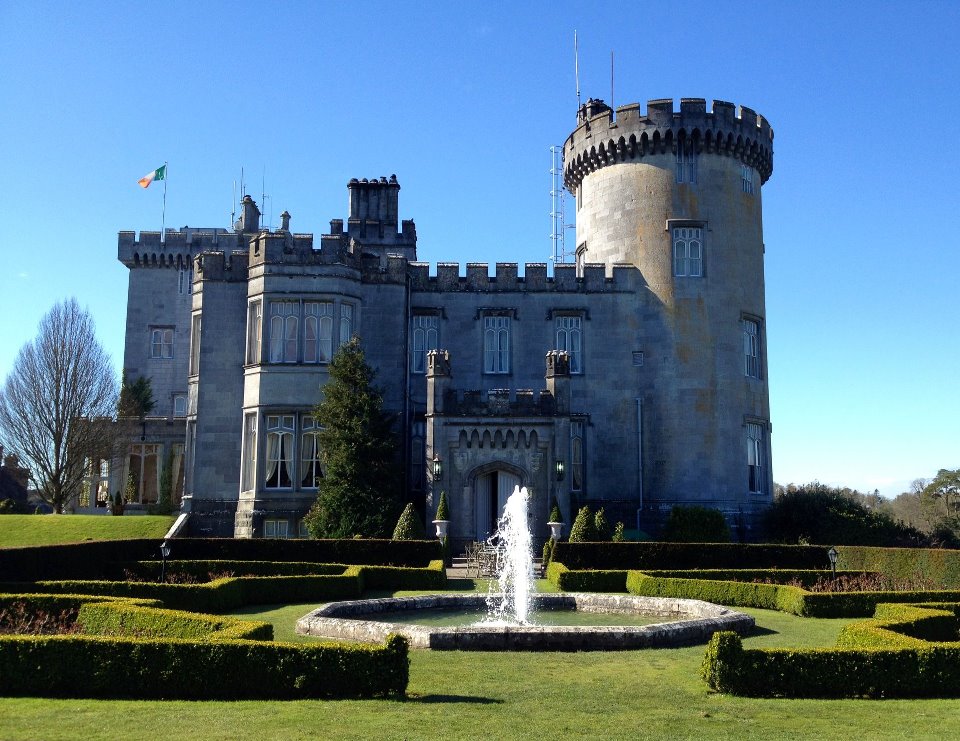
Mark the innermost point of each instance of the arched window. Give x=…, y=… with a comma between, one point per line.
x=688, y=252
x=280, y=471
x=496, y=344
x=425, y=337
x=569, y=337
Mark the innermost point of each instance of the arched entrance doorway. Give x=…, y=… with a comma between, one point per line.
x=491, y=490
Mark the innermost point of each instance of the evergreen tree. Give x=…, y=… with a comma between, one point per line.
x=443, y=509
x=584, y=528
x=359, y=493
x=600, y=525
x=409, y=526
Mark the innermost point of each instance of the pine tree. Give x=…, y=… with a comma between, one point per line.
x=583, y=530
x=359, y=493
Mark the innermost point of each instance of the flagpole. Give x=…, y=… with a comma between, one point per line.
x=163, y=215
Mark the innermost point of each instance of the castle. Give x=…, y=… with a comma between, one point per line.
x=634, y=379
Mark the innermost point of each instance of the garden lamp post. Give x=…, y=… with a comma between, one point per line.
x=164, y=554
x=832, y=555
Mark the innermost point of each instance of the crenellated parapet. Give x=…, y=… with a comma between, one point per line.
x=221, y=266
x=177, y=249
x=506, y=278
x=602, y=139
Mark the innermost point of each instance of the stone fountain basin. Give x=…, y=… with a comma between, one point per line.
x=687, y=622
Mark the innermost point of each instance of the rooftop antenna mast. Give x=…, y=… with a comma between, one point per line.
x=576, y=65
x=558, y=232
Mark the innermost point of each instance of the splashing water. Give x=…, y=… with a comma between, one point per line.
x=515, y=578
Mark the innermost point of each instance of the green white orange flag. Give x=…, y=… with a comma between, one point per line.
x=159, y=174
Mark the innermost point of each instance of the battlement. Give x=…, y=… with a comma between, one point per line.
x=499, y=403
x=177, y=249
x=602, y=138
x=221, y=266
x=506, y=278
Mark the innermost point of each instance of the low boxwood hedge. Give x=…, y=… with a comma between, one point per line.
x=782, y=597
x=940, y=565
x=649, y=555
x=99, y=559
x=831, y=672
x=587, y=580
x=905, y=626
x=107, y=667
x=118, y=619
x=150, y=570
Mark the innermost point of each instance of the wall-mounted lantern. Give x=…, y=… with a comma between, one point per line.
x=437, y=468
x=560, y=469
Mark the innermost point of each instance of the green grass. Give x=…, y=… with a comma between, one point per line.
x=21, y=530
x=453, y=695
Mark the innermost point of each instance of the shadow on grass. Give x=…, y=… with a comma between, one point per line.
x=761, y=631
x=444, y=699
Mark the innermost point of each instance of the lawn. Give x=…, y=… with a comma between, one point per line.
x=452, y=695
x=20, y=530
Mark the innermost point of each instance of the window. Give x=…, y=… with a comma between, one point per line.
x=195, y=345
x=346, y=323
x=496, y=344
x=688, y=251
x=176, y=473
x=756, y=476
x=249, y=482
x=143, y=474
x=179, y=405
x=569, y=337
x=276, y=529
x=581, y=258
x=424, y=331
x=284, y=328
x=576, y=456
x=311, y=470
x=317, y=331
x=418, y=455
x=184, y=281
x=302, y=530
x=746, y=179
x=638, y=358
x=254, y=331
x=751, y=347
x=96, y=483
x=686, y=162
x=161, y=342
x=280, y=473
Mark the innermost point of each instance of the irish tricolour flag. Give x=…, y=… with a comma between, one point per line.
x=159, y=174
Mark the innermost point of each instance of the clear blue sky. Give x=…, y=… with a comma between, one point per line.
x=462, y=101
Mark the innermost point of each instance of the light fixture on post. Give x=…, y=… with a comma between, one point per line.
x=560, y=469
x=832, y=555
x=164, y=554
x=437, y=467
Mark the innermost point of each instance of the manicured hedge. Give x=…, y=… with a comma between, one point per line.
x=104, y=667
x=941, y=565
x=434, y=576
x=113, y=619
x=806, y=577
x=587, y=580
x=150, y=570
x=831, y=672
x=905, y=626
x=778, y=596
x=577, y=556
x=101, y=560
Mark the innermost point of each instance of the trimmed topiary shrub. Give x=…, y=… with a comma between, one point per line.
x=601, y=527
x=547, y=552
x=651, y=555
x=555, y=514
x=443, y=511
x=584, y=527
x=696, y=525
x=617, y=536
x=409, y=526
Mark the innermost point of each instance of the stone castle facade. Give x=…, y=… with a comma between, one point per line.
x=634, y=379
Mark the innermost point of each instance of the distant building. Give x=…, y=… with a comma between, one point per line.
x=635, y=379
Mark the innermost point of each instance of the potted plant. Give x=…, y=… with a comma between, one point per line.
x=555, y=521
x=442, y=521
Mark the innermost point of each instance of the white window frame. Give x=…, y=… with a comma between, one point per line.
x=568, y=337
x=196, y=326
x=687, y=251
x=746, y=179
x=276, y=528
x=424, y=337
x=311, y=465
x=687, y=166
x=756, y=456
x=179, y=405
x=346, y=322
x=249, y=477
x=317, y=331
x=279, y=472
x=284, y=331
x=752, y=334
x=254, y=332
x=496, y=345
x=161, y=342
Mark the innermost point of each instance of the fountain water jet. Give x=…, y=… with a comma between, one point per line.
x=512, y=605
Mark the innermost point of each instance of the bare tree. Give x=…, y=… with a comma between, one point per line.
x=56, y=403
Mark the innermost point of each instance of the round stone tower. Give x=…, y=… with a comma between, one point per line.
x=678, y=196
